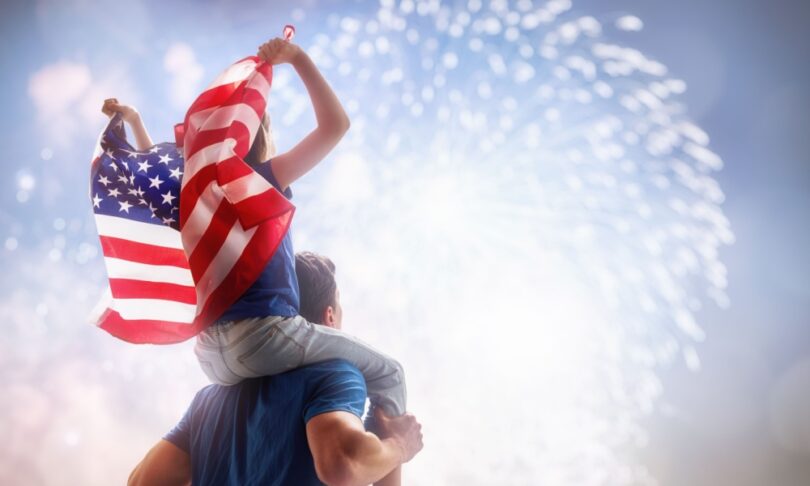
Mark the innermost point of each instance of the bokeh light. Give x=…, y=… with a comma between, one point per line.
x=525, y=212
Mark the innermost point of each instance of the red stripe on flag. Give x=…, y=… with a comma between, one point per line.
x=123, y=288
x=142, y=252
x=254, y=210
x=211, y=241
x=147, y=331
x=193, y=189
x=213, y=97
x=231, y=169
x=236, y=131
x=247, y=269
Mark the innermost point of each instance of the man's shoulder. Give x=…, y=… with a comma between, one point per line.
x=309, y=373
x=331, y=366
x=318, y=373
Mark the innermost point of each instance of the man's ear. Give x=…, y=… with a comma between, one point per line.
x=329, y=316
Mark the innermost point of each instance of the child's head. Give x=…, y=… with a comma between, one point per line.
x=318, y=292
x=263, y=147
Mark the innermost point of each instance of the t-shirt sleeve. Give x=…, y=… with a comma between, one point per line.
x=341, y=389
x=180, y=434
x=266, y=170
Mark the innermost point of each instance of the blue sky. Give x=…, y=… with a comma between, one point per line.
x=461, y=191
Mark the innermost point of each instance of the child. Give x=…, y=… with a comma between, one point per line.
x=262, y=333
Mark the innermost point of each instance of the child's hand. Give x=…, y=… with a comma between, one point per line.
x=279, y=51
x=404, y=430
x=128, y=113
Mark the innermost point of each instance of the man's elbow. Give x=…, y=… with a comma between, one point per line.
x=135, y=477
x=336, y=471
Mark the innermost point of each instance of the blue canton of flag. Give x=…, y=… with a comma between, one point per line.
x=141, y=186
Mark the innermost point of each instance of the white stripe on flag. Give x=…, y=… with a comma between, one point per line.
x=201, y=216
x=259, y=83
x=211, y=154
x=246, y=186
x=236, y=73
x=197, y=119
x=224, y=261
x=225, y=116
x=127, y=229
x=118, y=268
x=154, y=309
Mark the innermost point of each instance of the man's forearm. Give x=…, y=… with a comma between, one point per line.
x=373, y=459
x=394, y=478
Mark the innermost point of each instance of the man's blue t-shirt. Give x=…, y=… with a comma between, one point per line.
x=254, y=433
x=275, y=292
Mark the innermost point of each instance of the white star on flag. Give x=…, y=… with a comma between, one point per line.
x=124, y=206
x=144, y=166
x=167, y=198
x=155, y=182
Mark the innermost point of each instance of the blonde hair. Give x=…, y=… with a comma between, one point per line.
x=264, y=146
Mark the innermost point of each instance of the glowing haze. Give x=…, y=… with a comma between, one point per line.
x=522, y=213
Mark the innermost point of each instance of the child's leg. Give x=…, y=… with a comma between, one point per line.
x=385, y=377
x=231, y=352
x=268, y=346
x=222, y=350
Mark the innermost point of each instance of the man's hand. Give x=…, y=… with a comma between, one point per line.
x=128, y=113
x=405, y=431
x=279, y=51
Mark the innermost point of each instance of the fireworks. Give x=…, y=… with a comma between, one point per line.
x=524, y=212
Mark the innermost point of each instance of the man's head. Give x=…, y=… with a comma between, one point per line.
x=320, y=299
x=263, y=147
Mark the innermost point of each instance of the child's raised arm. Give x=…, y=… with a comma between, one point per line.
x=331, y=118
x=130, y=115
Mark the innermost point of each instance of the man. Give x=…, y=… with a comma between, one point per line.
x=301, y=427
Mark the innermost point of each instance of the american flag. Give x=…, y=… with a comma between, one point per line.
x=135, y=199
x=231, y=218
x=167, y=285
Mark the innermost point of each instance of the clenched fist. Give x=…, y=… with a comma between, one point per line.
x=112, y=106
x=279, y=51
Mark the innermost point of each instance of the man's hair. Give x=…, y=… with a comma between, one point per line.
x=258, y=153
x=316, y=285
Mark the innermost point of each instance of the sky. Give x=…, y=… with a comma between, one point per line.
x=581, y=226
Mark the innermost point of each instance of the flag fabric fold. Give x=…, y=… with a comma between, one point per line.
x=185, y=234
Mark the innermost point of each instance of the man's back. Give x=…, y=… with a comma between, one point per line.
x=255, y=432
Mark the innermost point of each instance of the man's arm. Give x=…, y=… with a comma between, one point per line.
x=164, y=465
x=394, y=478
x=345, y=454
